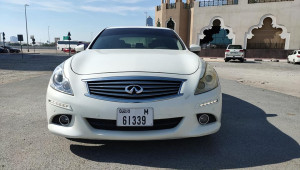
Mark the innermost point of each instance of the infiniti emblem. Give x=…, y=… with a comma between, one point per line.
x=134, y=89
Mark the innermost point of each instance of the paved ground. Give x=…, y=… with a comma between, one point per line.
x=260, y=130
x=14, y=67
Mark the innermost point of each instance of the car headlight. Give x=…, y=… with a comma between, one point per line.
x=209, y=81
x=59, y=81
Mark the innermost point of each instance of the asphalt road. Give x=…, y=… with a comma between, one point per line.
x=260, y=129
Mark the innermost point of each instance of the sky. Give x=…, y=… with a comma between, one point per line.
x=83, y=18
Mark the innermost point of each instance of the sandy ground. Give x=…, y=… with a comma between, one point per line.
x=280, y=77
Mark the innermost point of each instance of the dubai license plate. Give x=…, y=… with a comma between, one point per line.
x=135, y=117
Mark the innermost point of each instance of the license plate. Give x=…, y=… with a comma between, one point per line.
x=135, y=117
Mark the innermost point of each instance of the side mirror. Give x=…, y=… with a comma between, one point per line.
x=195, y=48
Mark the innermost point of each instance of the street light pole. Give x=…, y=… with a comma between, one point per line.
x=26, y=25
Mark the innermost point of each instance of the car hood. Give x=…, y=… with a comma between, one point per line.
x=135, y=60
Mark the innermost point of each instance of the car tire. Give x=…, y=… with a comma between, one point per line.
x=288, y=61
x=226, y=60
x=241, y=60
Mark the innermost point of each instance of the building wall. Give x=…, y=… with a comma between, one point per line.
x=242, y=18
x=179, y=15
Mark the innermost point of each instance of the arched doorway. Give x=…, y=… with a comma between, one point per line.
x=158, y=23
x=216, y=36
x=266, y=36
x=171, y=24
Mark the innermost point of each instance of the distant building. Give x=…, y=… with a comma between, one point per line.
x=254, y=24
x=13, y=39
x=149, y=21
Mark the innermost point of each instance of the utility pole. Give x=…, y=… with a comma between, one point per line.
x=48, y=34
x=146, y=17
x=26, y=25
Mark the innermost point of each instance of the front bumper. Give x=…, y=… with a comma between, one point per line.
x=186, y=106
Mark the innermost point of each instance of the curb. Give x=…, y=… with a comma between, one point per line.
x=249, y=59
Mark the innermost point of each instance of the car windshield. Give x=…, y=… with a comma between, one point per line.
x=235, y=47
x=138, y=38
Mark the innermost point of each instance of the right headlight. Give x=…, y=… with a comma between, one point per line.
x=209, y=81
x=59, y=81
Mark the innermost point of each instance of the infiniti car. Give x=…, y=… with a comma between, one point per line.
x=134, y=83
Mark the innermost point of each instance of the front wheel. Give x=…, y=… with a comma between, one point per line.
x=288, y=61
x=226, y=60
x=242, y=60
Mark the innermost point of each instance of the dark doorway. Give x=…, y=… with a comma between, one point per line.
x=266, y=37
x=171, y=24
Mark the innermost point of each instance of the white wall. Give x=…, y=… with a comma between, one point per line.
x=242, y=18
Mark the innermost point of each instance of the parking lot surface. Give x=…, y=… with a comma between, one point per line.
x=260, y=128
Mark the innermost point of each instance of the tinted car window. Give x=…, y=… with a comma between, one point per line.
x=137, y=38
x=235, y=47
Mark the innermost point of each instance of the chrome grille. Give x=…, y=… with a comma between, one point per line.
x=153, y=88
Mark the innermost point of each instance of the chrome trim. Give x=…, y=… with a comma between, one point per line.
x=134, y=78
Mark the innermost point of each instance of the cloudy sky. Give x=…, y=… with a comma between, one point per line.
x=83, y=18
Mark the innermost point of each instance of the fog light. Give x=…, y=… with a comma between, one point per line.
x=203, y=119
x=64, y=120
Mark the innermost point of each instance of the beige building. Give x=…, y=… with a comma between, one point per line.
x=254, y=24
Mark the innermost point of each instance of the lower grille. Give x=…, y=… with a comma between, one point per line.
x=158, y=124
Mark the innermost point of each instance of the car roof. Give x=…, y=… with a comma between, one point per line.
x=144, y=27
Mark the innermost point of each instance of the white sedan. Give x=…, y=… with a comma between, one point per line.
x=294, y=57
x=134, y=83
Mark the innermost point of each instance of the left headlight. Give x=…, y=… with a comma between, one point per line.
x=59, y=81
x=209, y=81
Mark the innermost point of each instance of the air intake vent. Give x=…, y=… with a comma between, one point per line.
x=159, y=124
